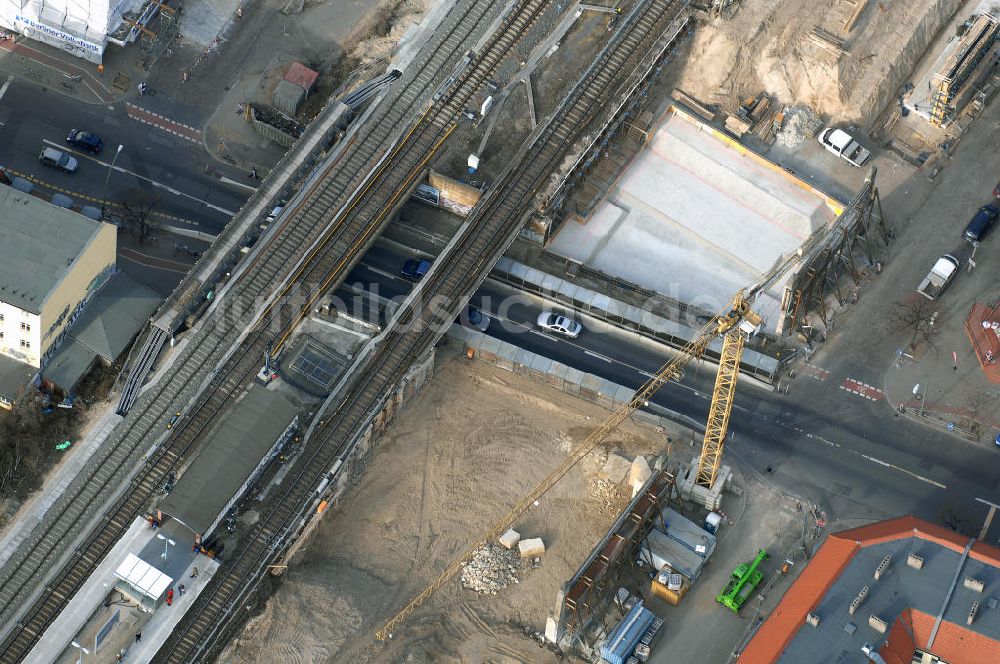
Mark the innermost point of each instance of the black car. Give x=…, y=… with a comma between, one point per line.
x=85, y=140
x=981, y=223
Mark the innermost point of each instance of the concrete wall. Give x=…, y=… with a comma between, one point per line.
x=90, y=269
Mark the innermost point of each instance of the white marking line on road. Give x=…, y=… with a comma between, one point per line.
x=235, y=183
x=542, y=334
x=388, y=275
x=597, y=355
x=874, y=460
x=141, y=177
x=3, y=90
x=986, y=502
x=903, y=470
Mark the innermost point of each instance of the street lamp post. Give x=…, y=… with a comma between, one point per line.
x=111, y=167
x=83, y=651
x=166, y=543
x=923, y=400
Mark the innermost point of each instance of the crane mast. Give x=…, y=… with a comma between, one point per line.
x=735, y=327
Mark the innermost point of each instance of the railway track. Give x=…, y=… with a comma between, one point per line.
x=336, y=236
x=492, y=226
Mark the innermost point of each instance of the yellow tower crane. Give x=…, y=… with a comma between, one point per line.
x=735, y=327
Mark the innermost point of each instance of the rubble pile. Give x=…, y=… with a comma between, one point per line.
x=492, y=568
x=800, y=124
x=608, y=494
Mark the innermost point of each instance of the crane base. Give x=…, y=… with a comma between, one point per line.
x=690, y=491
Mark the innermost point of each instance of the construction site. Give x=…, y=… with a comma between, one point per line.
x=678, y=201
x=632, y=538
x=525, y=396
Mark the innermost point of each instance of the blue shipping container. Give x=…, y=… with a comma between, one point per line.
x=623, y=638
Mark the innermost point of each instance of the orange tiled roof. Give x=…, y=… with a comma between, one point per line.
x=954, y=643
x=825, y=568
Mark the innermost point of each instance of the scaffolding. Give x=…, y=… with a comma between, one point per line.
x=957, y=79
x=859, y=233
x=586, y=598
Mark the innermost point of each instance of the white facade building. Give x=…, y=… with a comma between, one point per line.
x=80, y=27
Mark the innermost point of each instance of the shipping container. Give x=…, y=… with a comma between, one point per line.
x=624, y=637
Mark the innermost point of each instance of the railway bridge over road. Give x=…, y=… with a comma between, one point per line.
x=346, y=198
x=331, y=223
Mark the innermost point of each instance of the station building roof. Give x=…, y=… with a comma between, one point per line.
x=236, y=447
x=926, y=608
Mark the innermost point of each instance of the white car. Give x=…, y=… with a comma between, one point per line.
x=553, y=322
x=842, y=144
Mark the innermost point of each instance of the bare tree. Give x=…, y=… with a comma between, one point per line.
x=915, y=316
x=138, y=206
x=953, y=519
x=977, y=401
x=20, y=438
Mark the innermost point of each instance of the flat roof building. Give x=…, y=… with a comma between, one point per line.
x=240, y=446
x=52, y=260
x=915, y=591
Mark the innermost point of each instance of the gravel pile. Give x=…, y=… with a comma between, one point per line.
x=800, y=124
x=609, y=495
x=491, y=569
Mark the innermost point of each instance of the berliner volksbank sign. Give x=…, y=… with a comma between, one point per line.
x=25, y=22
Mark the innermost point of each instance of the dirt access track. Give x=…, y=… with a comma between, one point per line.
x=768, y=45
x=466, y=449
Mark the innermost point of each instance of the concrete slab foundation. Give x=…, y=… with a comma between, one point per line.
x=697, y=217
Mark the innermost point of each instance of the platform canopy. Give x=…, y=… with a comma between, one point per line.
x=142, y=576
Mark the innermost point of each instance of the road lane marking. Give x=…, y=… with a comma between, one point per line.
x=986, y=502
x=3, y=90
x=235, y=183
x=91, y=199
x=866, y=457
x=597, y=355
x=151, y=181
x=815, y=372
x=382, y=272
x=178, y=129
x=902, y=470
x=863, y=390
x=542, y=334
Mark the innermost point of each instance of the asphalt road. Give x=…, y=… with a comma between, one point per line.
x=852, y=456
x=152, y=160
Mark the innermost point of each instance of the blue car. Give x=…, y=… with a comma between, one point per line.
x=415, y=268
x=85, y=140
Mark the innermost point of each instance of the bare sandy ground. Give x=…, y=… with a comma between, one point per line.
x=461, y=454
x=767, y=46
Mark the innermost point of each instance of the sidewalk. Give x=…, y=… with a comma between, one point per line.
x=935, y=389
x=77, y=78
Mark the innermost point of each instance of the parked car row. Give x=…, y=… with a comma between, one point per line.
x=947, y=267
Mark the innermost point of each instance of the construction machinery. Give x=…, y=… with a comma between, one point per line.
x=742, y=582
x=735, y=327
